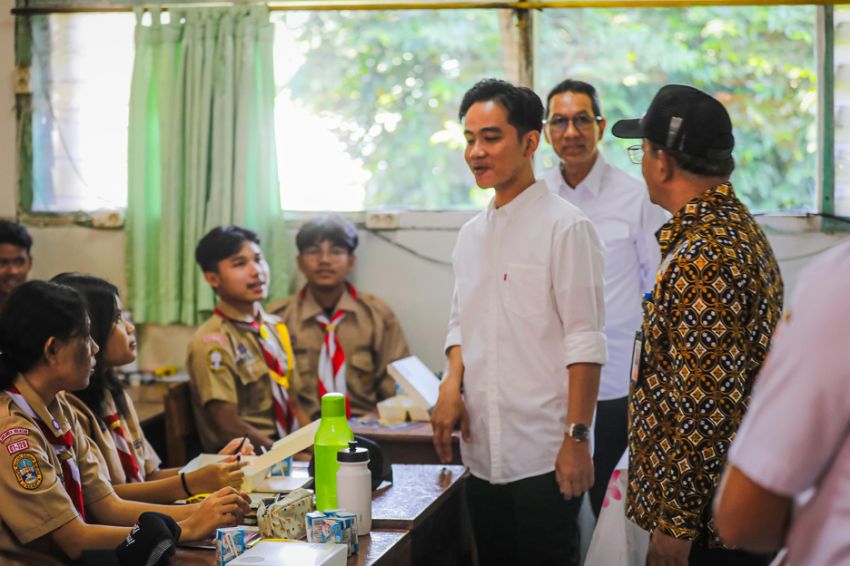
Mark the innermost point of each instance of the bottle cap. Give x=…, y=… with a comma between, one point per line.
x=333, y=405
x=353, y=453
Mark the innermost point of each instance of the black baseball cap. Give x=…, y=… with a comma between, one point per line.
x=151, y=542
x=684, y=119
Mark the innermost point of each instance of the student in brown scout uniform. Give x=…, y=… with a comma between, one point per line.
x=15, y=256
x=109, y=418
x=240, y=360
x=57, y=502
x=343, y=339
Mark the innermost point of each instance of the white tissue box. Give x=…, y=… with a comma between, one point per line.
x=293, y=554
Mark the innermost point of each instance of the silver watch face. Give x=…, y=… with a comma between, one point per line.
x=578, y=431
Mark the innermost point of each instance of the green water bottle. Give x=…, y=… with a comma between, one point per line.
x=333, y=435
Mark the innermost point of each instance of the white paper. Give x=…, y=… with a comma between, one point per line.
x=290, y=444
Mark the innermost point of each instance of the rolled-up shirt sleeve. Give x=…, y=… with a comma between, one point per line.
x=578, y=282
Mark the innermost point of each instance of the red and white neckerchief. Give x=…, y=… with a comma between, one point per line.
x=331, y=370
x=62, y=444
x=283, y=412
x=125, y=451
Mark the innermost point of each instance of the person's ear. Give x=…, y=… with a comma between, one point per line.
x=532, y=140
x=667, y=165
x=50, y=347
x=299, y=260
x=352, y=262
x=602, y=123
x=213, y=279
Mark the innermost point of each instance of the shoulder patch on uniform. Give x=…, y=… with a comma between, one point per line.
x=18, y=446
x=215, y=338
x=14, y=432
x=216, y=359
x=27, y=470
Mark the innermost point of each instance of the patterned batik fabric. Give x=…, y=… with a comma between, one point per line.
x=707, y=329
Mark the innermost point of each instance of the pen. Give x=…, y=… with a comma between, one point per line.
x=238, y=448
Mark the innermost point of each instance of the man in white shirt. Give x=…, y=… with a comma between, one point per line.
x=619, y=207
x=525, y=342
x=788, y=478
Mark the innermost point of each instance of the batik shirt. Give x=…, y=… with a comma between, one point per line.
x=707, y=328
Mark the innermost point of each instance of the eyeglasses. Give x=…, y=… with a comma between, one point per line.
x=635, y=153
x=581, y=122
x=334, y=252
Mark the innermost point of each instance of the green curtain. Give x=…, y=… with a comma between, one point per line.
x=201, y=153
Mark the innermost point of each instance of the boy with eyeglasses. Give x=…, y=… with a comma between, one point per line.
x=626, y=221
x=343, y=339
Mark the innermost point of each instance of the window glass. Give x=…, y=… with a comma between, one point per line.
x=842, y=110
x=758, y=60
x=80, y=78
x=367, y=106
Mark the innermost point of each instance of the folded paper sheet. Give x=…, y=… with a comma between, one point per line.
x=290, y=444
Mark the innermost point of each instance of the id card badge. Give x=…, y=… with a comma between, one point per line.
x=637, y=353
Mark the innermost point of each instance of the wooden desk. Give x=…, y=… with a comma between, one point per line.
x=411, y=444
x=419, y=520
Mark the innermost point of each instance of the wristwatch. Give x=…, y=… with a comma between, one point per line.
x=577, y=431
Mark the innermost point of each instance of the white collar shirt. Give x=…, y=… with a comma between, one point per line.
x=795, y=438
x=528, y=302
x=626, y=221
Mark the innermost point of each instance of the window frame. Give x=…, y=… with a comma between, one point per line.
x=522, y=15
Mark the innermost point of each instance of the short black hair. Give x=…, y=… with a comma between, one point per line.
x=581, y=87
x=34, y=312
x=331, y=228
x=15, y=234
x=524, y=108
x=703, y=166
x=221, y=243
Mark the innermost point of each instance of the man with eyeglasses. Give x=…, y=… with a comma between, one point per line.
x=706, y=329
x=626, y=221
x=343, y=339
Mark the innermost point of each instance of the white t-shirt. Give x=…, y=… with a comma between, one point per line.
x=619, y=207
x=527, y=303
x=795, y=437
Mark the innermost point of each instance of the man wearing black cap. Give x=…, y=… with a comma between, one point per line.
x=706, y=327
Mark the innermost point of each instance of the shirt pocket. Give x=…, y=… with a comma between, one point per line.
x=619, y=249
x=527, y=289
x=253, y=388
x=362, y=369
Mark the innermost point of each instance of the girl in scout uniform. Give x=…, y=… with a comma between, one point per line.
x=108, y=417
x=56, y=500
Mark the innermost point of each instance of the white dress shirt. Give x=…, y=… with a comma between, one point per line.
x=795, y=438
x=528, y=302
x=619, y=207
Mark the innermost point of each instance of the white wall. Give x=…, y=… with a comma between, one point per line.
x=418, y=291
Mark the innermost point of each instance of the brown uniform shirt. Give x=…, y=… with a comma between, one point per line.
x=34, y=500
x=146, y=456
x=370, y=336
x=225, y=363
